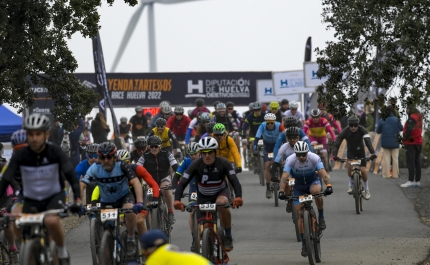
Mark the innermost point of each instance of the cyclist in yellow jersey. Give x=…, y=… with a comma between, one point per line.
x=165, y=134
x=157, y=251
x=227, y=148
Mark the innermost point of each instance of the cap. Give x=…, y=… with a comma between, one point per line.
x=149, y=114
x=148, y=239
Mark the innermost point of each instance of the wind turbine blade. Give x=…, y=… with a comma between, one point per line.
x=127, y=35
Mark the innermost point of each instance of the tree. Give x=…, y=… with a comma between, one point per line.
x=33, y=49
x=380, y=43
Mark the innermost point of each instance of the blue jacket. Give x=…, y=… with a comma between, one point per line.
x=81, y=168
x=388, y=128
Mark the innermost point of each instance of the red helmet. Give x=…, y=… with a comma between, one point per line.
x=264, y=107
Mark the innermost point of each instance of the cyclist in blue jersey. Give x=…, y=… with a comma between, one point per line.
x=193, y=154
x=302, y=166
x=112, y=177
x=252, y=122
x=269, y=132
x=83, y=166
x=291, y=122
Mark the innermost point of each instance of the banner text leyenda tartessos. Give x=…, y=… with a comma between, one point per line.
x=140, y=84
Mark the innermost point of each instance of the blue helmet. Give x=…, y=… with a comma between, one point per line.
x=19, y=137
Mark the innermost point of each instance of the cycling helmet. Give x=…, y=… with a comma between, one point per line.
x=140, y=142
x=216, y=104
x=256, y=106
x=154, y=140
x=166, y=109
x=190, y=112
x=123, y=119
x=210, y=127
x=19, y=137
x=220, y=106
x=138, y=109
x=123, y=155
x=294, y=105
x=37, y=121
x=353, y=120
x=200, y=102
x=322, y=106
x=92, y=148
x=205, y=117
x=208, y=143
x=290, y=121
x=179, y=110
x=292, y=131
x=301, y=147
x=106, y=149
x=284, y=101
x=274, y=105
x=229, y=104
x=160, y=122
x=164, y=103
x=192, y=148
x=264, y=107
x=250, y=105
x=270, y=117
x=219, y=128
x=315, y=113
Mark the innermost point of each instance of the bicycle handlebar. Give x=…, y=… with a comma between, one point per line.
x=189, y=207
x=342, y=160
x=314, y=195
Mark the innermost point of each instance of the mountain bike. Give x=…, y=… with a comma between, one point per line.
x=211, y=236
x=312, y=234
x=317, y=149
x=96, y=231
x=194, y=225
x=260, y=162
x=4, y=246
x=357, y=183
x=274, y=185
x=157, y=215
x=295, y=214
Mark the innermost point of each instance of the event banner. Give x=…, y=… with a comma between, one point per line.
x=265, y=93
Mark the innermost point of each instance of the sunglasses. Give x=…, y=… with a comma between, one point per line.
x=230, y=108
x=293, y=109
x=218, y=135
x=92, y=156
x=270, y=123
x=256, y=110
x=207, y=152
x=160, y=127
x=141, y=149
x=153, y=146
x=274, y=109
x=301, y=154
x=353, y=125
x=106, y=157
x=179, y=114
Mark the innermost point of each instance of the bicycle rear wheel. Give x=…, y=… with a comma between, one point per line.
x=295, y=217
x=31, y=252
x=307, y=223
x=4, y=254
x=96, y=231
x=261, y=171
x=356, y=191
x=165, y=224
x=106, y=249
x=207, y=244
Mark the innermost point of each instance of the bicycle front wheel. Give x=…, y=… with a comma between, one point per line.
x=155, y=221
x=195, y=227
x=275, y=192
x=107, y=249
x=307, y=223
x=95, y=238
x=207, y=244
x=4, y=254
x=296, y=223
x=357, y=192
x=31, y=253
x=261, y=171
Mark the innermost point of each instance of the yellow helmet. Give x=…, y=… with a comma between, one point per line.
x=274, y=105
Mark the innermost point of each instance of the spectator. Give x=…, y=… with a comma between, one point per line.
x=84, y=141
x=99, y=129
x=124, y=129
x=53, y=136
x=285, y=105
x=367, y=118
x=413, y=142
x=179, y=123
x=74, y=136
x=388, y=127
x=139, y=123
x=88, y=123
x=199, y=108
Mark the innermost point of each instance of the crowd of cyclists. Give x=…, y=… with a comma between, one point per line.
x=214, y=145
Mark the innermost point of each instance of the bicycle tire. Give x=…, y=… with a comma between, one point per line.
x=295, y=217
x=356, y=191
x=307, y=224
x=275, y=192
x=261, y=172
x=167, y=226
x=195, y=229
x=316, y=239
x=4, y=254
x=207, y=244
x=155, y=222
x=106, y=249
x=95, y=239
x=361, y=192
x=30, y=252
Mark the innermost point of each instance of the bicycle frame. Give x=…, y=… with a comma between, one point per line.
x=164, y=222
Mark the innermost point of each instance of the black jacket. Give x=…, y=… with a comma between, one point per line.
x=98, y=132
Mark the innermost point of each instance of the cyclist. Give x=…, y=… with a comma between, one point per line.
x=210, y=172
x=81, y=168
x=354, y=136
x=317, y=128
x=274, y=108
x=157, y=251
x=229, y=122
x=139, y=123
x=158, y=162
x=200, y=122
x=165, y=113
x=269, y=131
x=210, y=129
x=293, y=112
x=285, y=105
x=41, y=164
x=231, y=111
x=165, y=135
x=200, y=107
x=302, y=166
x=124, y=129
x=226, y=147
x=243, y=136
x=333, y=122
x=252, y=122
x=290, y=122
x=193, y=154
x=140, y=145
x=179, y=123
x=113, y=178
x=215, y=108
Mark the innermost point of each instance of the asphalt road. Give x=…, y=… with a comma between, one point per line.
x=389, y=230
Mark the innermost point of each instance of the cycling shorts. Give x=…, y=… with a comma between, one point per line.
x=300, y=189
x=210, y=199
x=128, y=198
x=266, y=156
x=357, y=154
x=56, y=201
x=319, y=140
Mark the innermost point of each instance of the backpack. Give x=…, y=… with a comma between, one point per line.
x=65, y=144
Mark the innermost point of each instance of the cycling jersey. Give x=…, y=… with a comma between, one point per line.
x=227, y=120
x=40, y=172
x=298, y=115
x=134, y=156
x=165, y=136
x=180, y=171
x=82, y=168
x=253, y=122
x=114, y=184
x=196, y=111
x=285, y=151
x=227, y=148
x=179, y=127
x=354, y=141
x=158, y=166
x=304, y=173
x=210, y=179
x=333, y=122
x=319, y=129
x=283, y=137
x=172, y=255
x=138, y=125
x=269, y=136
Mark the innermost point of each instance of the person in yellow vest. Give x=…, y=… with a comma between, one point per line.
x=166, y=135
x=227, y=147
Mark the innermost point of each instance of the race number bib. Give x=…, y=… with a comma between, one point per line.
x=108, y=215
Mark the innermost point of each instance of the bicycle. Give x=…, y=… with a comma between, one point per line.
x=295, y=214
x=211, y=244
x=312, y=234
x=357, y=183
x=274, y=185
x=317, y=149
x=194, y=225
x=96, y=231
x=4, y=246
x=157, y=215
x=260, y=163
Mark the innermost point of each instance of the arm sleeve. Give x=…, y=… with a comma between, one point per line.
x=232, y=177
x=338, y=141
x=169, y=122
x=279, y=142
x=279, y=153
x=306, y=128
x=337, y=124
x=173, y=162
x=188, y=135
x=128, y=172
x=330, y=130
x=367, y=141
x=245, y=126
x=379, y=128
x=150, y=133
x=234, y=151
x=78, y=130
x=141, y=161
x=174, y=139
x=183, y=182
x=144, y=174
x=70, y=174
x=281, y=128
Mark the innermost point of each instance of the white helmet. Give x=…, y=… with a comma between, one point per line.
x=294, y=105
x=37, y=121
x=301, y=147
x=123, y=155
x=208, y=143
x=270, y=117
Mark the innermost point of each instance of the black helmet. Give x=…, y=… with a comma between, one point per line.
x=106, y=149
x=138, y=109
x=154, y=140
x=37, y=121
x=140, y=142
x=123, y=120
x=160, y=122
x=284, y=101
x=216, y=103
x=200, y=102
x=290, y=121
x=210, y=127
x=353, y=119
x=229, y=104
x=292, y=132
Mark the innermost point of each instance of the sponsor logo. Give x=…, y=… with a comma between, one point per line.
x=39, y=89
x=192, y=87
x=88, y=84
x=40, y=110
x=219, y=88
x=291, y=83
x=268, y=91
x=314, y=75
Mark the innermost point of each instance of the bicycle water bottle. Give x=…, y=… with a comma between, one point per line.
x=201, y=247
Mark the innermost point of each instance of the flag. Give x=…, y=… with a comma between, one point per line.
x=308, y=58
